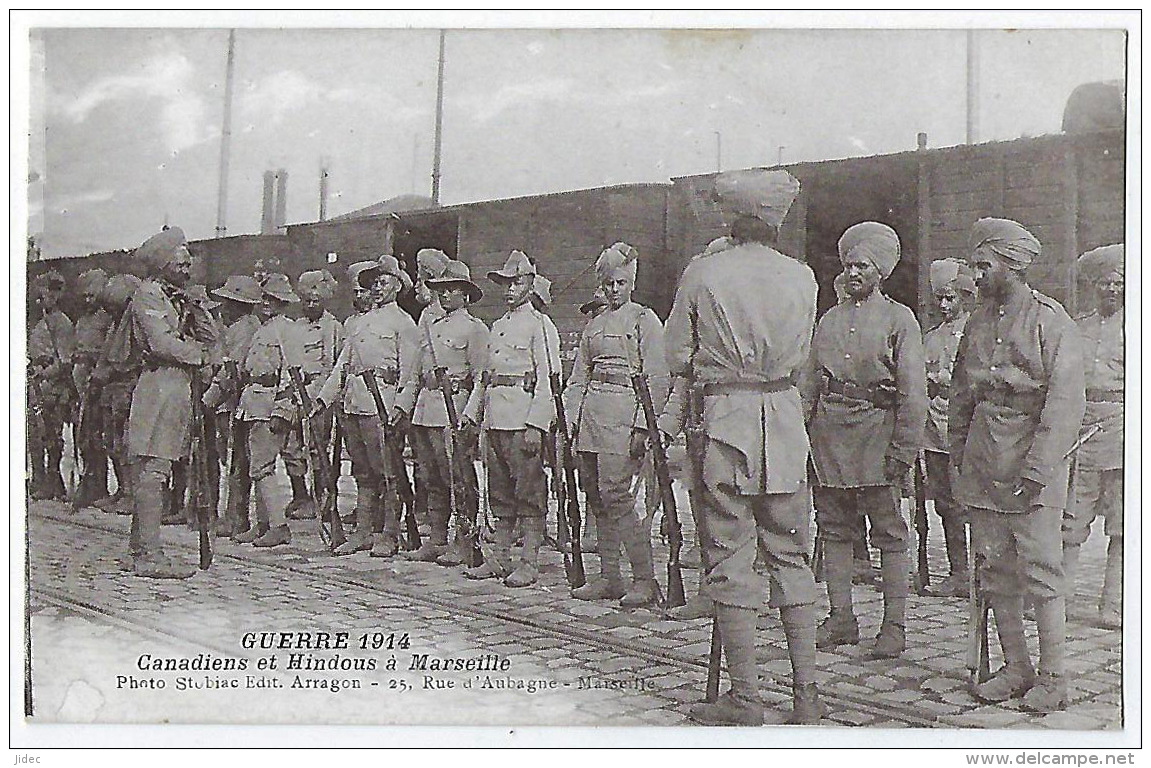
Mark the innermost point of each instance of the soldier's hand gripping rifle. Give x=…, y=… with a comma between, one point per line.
x=568, y=511
x=392, y=461
x=470, y=530
x=198, y=473
x=324, y=485
x=696, y=439
x=675, y=593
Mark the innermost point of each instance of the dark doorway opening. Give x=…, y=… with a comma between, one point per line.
x=870, y=189
x=413, y=232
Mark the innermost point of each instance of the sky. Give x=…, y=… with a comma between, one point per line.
x=126, y=123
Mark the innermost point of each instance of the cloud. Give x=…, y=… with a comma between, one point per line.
x=858, y=143
x=486, y=107
x=167, y=76
x=288, y=92
x=79, y=199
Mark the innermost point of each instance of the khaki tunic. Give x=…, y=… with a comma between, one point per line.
x=518, y=347
x=721, y=330
x=940, y=346
x=599, y=401
x=461, y=346
x=865, y=343
x=172, y=341
x=1017, y=401
x=274, y=345
x=1103, y=356
x=51, y=343
x=383, y=340
x=91, y=336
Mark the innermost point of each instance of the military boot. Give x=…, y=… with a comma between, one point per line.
x=453, y=554
x=637, y=541
x=1111, y=599
x=955, y=585
x=698, y=607
x=806, y=708
x=384, y=544
x=1049, y=694
x=589, y=540
x=741, y=704
x=609, y=585
x=892, y=638
x=361, y=538
x=498, y=565
x=160, y=567
x=274, y=537
x=1016, y=676
x=528, y=571
x=838, y=628
x=253, y=533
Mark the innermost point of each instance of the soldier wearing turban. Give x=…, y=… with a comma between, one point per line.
x=735, y=359
x=1017, y=401
x=320, y=337
x=92, y=328
x=176, y=335
x=51, y=342
x=430, y=265
x=608, y=427
x=1098, y=481
x=953, y=287
x=866, y=431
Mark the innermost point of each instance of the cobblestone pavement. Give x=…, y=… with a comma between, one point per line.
x=585, y=663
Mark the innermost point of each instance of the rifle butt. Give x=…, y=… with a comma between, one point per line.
x=713, y=661
x=675, y=592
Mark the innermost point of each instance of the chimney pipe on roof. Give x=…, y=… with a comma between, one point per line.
x=281, y=199
x=267, y=223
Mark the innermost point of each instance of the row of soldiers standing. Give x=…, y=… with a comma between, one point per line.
x=760, y=386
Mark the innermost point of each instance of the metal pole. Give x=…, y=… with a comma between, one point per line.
x=718, y=151
x=779, y=159
x=323, y=191
x=439, y=124
x=972, y=88
x=226, y=138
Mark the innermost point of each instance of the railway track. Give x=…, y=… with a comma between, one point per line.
x=663, y=660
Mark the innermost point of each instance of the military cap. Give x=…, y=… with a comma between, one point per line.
x=517, y=265
x=242, y=288
x=279, y=287
x=118, y=291
x=950, y=272
x=159, y=249
x=542, y=288
x=457, y=275
x=766, y=195
x=1008, y=240
x=48, y=282
x=316, y=285
x=390, y=265
x=431, y=262
x=92, y=281
x=614, y=259
x=364, y=273
x=1098, y=263
x=876, y=242
x=199, y=294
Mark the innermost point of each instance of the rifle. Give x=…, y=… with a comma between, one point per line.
x=198, y=471
x=1091, y=432
x=323, y=487
x=919, y=479
x=978, y=644
x=451, y=442
x=696, y=436
x=567, y=510
x=675, y=593
x=369, y=378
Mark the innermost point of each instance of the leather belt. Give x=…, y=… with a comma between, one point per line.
x=524, y=380
x=263, y=380
x=458, y=382
x=1024, y=402
x=759, y=387
x=617, y=378
x=1104, y=395
x=882, y=394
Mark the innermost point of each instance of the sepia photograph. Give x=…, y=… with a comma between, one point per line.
x=576, y=380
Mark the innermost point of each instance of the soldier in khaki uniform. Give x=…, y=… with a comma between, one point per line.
x=382, y=340
x=50, y=345
x=174, y=335
x=321, y=336
x=589, y=541
x=456, y=342
x=609, y=427
x=516, y=410
x=91, y=331
x=866, y=432
x=430, y=265
x=954, y=290
x=115, y=373
x=240, y=294
x=1017, y=401
x=738, y=357
x=1098, y=479
x=266, y=407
